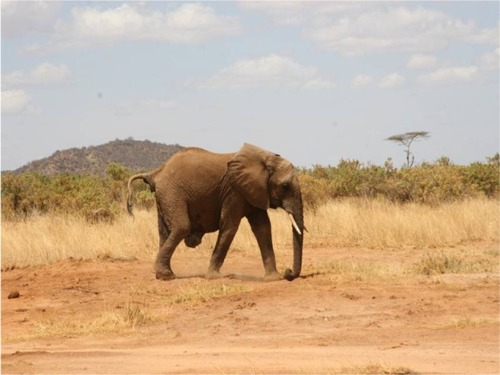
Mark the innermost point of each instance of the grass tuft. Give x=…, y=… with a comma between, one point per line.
x=345, y=271
x=108, y=322
x=457, y=262
x=377, y=370
x=468, y=322
x=205, y=292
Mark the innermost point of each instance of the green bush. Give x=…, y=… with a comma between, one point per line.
x=433, y=184
x=483, y=178
x=102, y=198
x=93, y=197
x=315, y=191
x=429, y=183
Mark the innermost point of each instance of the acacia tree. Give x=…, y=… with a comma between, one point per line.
x=406, y=139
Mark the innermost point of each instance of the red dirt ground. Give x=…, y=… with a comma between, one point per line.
x=319, y=323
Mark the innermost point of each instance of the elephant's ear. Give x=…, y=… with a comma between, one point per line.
x=249, y=171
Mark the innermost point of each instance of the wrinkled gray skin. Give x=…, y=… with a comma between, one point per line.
x=198, y=192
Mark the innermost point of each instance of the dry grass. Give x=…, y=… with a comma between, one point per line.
x=382, y=224
x=375, y=369
x=460, y=261
x=192, y=294
x=47, y=239
x=123, y=320
x=106, y=322
x=109, y=321
x=348, y=271
x=468, y=322
x=202, y=293
x=351, y=223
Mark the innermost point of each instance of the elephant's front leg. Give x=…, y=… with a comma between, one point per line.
x=261, y=228
x=227, y=231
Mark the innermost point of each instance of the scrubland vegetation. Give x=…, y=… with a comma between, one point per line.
x=428, y=183
x=45, y=219
x=101, y=198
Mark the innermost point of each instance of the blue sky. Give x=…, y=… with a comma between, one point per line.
x=316, y=82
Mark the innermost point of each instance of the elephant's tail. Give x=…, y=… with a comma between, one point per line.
x=147, y=178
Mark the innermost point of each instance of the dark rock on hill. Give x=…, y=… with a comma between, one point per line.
x=135, y=155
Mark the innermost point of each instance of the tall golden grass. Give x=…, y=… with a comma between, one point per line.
x=383, y=224
x=46, y=239
x=350, y=223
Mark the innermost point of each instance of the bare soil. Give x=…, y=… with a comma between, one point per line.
x=319, y=323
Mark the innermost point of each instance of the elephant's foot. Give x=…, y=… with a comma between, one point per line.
x=272, y=276
x=213, y=274
x=165, y=275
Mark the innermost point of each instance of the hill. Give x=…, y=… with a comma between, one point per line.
x=135, y=155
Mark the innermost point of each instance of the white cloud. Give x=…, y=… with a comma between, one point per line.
x=450, y=75
x=482, y=69
x=490, y=61
x=296, y=13
x=281, y=12
x=21, y=18
x=395, y=28
x=356, y=29
x=158, y=103
x=361, y=80
x=189, y=23
x=127, y=107
x=392, y=81
x=14, y=101
x=485, y=36
x=420, y=61
x=44, y=74
x=273, y=71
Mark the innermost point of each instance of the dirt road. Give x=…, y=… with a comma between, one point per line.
x=112, y=316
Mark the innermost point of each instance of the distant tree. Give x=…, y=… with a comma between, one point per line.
x=444, y=161
x=494, y=160
x=406, y=140
x=117, y=171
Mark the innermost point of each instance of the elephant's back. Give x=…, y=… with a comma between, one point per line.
x=199, y=159
x=194, y=169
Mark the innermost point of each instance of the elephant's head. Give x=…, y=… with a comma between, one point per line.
x=266, y=180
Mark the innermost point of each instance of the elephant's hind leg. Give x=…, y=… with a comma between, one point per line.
x=180, y=229
x=163, y=230
x=162, y=264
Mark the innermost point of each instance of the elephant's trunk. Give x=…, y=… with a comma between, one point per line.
x=298, y=238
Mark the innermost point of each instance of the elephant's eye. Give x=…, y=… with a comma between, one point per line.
x=285, y=186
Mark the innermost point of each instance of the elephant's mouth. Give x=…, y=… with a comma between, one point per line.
x=275, y=202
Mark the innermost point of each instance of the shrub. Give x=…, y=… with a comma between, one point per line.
x=433, y=184
x=429, y=183
x=484, y=178
x=315, y=191
x=102, y=198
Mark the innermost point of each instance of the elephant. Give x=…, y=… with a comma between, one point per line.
x=198, y=191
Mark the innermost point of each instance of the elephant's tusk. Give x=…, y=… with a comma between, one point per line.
x=294, y=224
